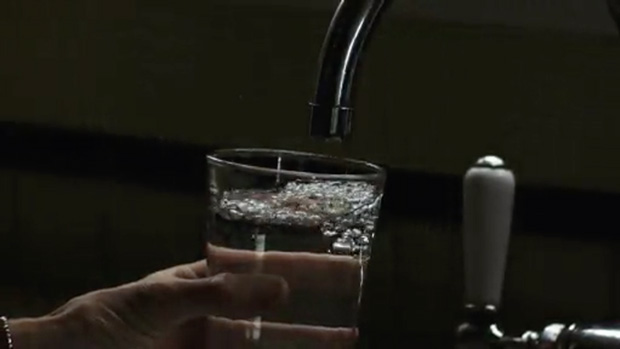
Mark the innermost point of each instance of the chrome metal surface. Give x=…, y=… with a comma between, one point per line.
x=490, y=161
x=549, y=336
x=481, y=335
x=479, y=329
x=348, y=33
x=587, y=337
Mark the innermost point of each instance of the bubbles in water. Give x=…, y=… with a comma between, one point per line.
x=330, y=233
x=342, y=246
x=299, y=203
x=364, y=240
x=345, y=213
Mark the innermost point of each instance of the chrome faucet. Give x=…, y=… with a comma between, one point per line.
x=488, y=193
x=351, y=26
x=332, y=105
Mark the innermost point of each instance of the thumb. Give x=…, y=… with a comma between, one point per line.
x=230, y=295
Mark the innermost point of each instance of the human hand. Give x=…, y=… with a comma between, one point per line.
x=139, y=314
x=168, y=309
x=322, y=289
x=318, y=285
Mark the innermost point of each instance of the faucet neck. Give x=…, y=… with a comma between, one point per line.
x=332, y=104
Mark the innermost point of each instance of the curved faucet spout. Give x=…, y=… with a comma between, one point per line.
x=332, y=106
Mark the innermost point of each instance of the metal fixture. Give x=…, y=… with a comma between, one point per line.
x=348, y=33
x=488, y=193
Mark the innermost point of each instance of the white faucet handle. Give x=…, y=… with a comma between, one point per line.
x=488, y=195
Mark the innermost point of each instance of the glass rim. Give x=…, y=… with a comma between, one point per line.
x=375, y=172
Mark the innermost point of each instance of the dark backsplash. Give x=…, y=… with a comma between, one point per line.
x=163, y=165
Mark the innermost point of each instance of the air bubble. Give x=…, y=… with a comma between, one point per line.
x=330, y=233
x=344, y=212
x=341, y=246
x=364, y=240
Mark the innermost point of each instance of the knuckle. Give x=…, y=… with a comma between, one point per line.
x=86, y=305
x=156, y=292
x=82, y=312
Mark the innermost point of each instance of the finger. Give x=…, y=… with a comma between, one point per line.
x=226, y=333
x=301, y=270
x=190, y=271
x=195, y=270
x=234, y=296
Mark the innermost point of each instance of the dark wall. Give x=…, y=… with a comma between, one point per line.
x=433, y=96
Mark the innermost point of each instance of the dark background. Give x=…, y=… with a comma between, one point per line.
x=107, y=110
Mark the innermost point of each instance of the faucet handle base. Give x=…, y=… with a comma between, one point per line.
x=479, y=330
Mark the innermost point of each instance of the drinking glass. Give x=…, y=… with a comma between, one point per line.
x=305, y=217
